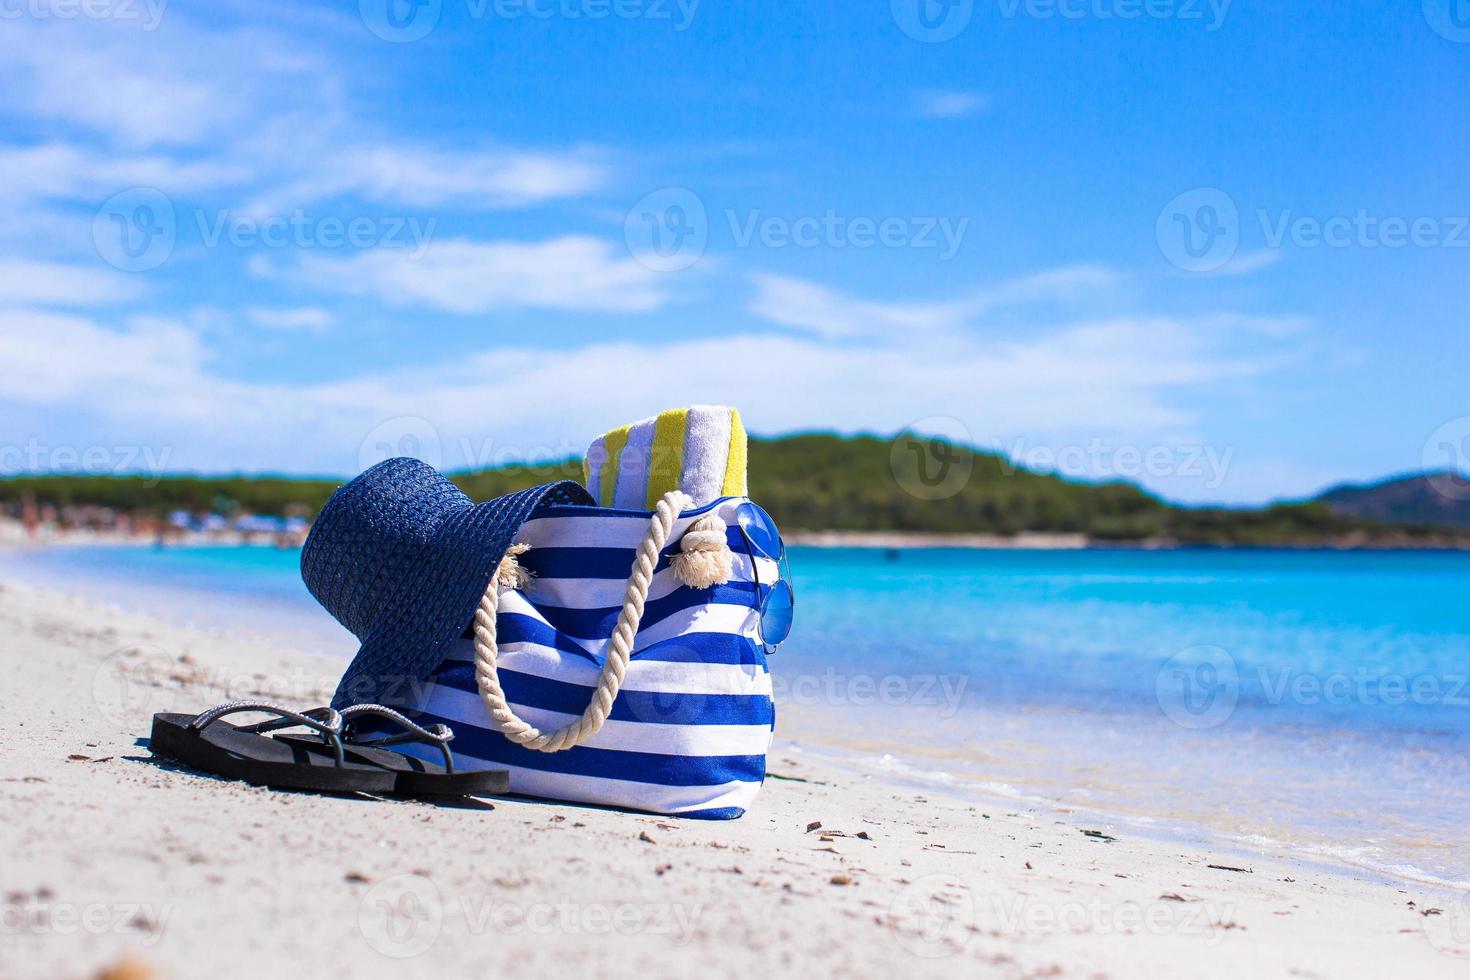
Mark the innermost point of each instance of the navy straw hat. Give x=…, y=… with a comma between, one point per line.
x=400, y=556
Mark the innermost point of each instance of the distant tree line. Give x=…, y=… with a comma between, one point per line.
x=811, y=482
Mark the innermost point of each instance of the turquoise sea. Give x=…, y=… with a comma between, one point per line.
x=1316, y=702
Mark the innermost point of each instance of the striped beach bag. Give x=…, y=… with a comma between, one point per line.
x=596, y=673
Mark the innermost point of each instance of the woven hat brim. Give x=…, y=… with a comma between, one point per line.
x=392, y=663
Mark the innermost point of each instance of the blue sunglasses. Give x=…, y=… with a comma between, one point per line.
x=762, y=540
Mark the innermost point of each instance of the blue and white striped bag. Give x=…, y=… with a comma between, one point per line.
x=687, y=733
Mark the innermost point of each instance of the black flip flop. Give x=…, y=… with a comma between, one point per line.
x=207, y=743
x=414, y=776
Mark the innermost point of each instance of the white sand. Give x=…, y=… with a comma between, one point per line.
x=114, y=859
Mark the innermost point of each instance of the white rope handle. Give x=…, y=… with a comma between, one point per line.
x=619, y=649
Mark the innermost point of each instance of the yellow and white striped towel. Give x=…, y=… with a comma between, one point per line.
x=700, y=450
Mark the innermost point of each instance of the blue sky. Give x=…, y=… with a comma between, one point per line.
x=294, y=237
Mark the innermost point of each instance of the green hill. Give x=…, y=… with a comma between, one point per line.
x=827, y=482
x=1441, y=499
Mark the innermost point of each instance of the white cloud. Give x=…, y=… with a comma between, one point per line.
x=26, y=282
x=1248, y=262
x=61, y=359
x=947, y=104
x=826, y=312
x=152, y=382
x=421, y=177
x=574, y=272
x=170, y=86
x=251, y=120
x=307, y=319
x=43, y=173
x=255, y=116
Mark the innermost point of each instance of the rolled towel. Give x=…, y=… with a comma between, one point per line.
x=700, y=450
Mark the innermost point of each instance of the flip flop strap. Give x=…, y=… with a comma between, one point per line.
x=436, y=734
x=615, y=662
x=324, y=720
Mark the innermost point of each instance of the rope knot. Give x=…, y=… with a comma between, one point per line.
x=510, y=575
x=704, y=558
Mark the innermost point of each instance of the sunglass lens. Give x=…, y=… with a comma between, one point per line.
x=777, y=613
x=760, y=529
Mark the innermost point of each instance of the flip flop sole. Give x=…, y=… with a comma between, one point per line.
x=414, y=776
x=221, y=749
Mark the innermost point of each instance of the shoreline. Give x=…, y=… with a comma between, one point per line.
x=937, y=883
x=1046, y=541
x=885, y=540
